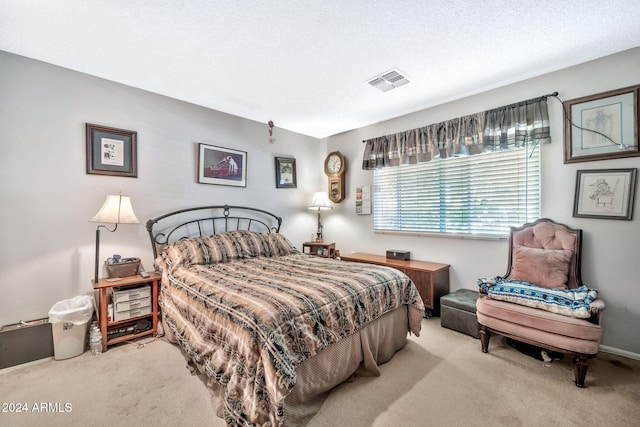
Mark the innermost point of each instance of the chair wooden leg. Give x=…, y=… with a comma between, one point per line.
x=485, y=336
x=580, y=366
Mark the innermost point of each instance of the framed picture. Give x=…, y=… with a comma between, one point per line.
x=602, y=126
x=222, y=166
x=285, y=172
x=111, y=151
x=606, y=193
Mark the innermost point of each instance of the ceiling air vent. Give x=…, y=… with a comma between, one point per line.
x=388, y=80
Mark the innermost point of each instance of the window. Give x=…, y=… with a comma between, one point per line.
x=480, y=195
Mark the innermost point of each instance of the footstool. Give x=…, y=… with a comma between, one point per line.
x=458, y=312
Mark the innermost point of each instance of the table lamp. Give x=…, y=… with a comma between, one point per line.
x=320, y=202
x=116, y=210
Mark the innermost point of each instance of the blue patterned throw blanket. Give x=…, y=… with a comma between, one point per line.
x=568, y=302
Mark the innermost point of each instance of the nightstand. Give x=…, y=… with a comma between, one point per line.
x=323, y=249
x=135, y=303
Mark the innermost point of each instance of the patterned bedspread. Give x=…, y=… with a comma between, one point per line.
x=249, y=322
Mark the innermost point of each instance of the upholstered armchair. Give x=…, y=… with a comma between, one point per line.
x=541, y=299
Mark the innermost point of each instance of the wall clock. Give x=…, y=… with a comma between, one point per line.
x=335, y=168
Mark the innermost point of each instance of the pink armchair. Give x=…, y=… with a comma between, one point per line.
x=547, y=254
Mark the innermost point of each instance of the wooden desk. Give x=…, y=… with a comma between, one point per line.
x=431, y=278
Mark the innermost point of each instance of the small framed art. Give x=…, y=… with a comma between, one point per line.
x=222, y=166
x=111, y=151
x=285, y=172
x=605, y=193
x=602, y=126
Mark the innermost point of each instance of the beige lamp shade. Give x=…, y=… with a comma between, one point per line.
x=116, y=210
x=320, y=201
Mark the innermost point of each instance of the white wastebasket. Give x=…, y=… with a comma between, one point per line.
x=69, y=323
x=68, y=339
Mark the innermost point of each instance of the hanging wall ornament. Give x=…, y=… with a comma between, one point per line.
x=271, y=138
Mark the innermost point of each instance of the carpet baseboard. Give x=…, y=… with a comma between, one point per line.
x=619, y=352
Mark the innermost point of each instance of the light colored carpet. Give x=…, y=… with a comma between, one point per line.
x=441, y=378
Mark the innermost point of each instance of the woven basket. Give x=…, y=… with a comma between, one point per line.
x=124, y=269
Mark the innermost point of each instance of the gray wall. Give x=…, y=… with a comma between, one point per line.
x=47, y=199
x=611, y=247
x=47, y=250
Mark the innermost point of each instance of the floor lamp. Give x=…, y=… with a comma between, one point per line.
x=320, y=202
x=116, y=210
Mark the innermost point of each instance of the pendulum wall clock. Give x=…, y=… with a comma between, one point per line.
x=335, y=168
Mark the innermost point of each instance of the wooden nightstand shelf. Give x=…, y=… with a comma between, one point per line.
x=431, y=278
x=106, y=286
x=323, y=249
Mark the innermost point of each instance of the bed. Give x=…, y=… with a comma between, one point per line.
x=270, y=329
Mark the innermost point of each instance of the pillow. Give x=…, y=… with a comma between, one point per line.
x=250, y=244
x=185, y=252
x=201, y=250
x=224, y=247
x=548, y=268
x=281, y=245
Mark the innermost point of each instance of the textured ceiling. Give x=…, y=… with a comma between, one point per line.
x=305, y=64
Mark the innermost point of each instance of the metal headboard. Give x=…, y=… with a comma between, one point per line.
x=207, y=220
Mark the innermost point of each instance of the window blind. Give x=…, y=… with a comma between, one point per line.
x=481, y=195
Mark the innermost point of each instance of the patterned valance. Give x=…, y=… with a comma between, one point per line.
x=500, y=129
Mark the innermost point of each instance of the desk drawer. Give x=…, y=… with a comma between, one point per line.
x=130, y=314
x=132, y=305
x=128, y=294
